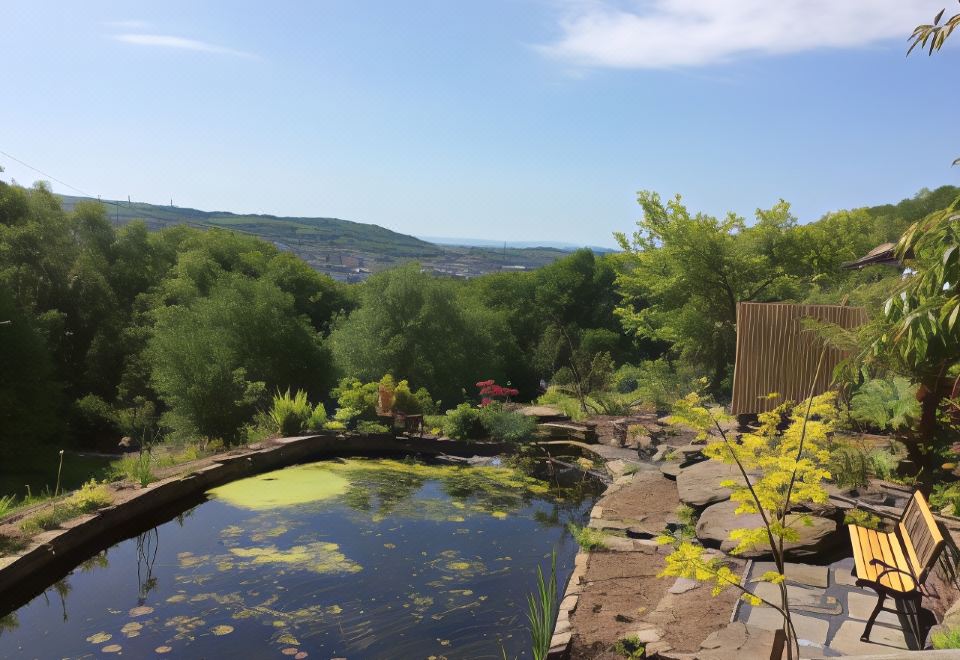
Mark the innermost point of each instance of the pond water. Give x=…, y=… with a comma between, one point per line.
x=352, y=559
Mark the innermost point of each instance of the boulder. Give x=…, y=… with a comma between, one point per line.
x=699, y=484
x=670, y=469
x=717, y=521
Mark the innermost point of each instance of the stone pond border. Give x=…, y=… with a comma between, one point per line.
x=48, y=554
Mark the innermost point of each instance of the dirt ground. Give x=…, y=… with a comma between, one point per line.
x=624, y=591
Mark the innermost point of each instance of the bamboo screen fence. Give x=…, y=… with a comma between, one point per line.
x=775, y=353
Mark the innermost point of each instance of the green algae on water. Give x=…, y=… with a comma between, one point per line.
x=300, y=484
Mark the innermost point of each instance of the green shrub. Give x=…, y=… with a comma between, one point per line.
x=630, y=647
x=290, y=414
x=849, y=466
x=463, y=423
x=506, y=425
x=371, y=427
x=883, y=464
x=886, y=404
x=947, y=640
x=588, y=539
x=335, y=425
x=946, y=496
x=862, y=518
x=318, y=417
x=90, y=497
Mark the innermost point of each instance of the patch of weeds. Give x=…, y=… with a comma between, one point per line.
x=7, y=504
x=631, y=469
x=862, y=518
x=90, y=497
x=629, y=647
x=371, y=427
x=587, y=538
x=947, y=640
x=11, y=545
x=134, y=468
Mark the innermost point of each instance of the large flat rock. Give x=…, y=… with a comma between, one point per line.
x=699, y=484
x=718, y=520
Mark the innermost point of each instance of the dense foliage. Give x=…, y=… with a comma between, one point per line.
x=188, y=333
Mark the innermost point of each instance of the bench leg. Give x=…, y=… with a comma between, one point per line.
x=873, y=617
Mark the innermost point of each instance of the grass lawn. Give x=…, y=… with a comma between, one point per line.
x=38, y=468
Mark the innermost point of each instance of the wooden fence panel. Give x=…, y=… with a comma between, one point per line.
x=776, y=354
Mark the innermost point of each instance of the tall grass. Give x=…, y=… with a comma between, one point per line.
x=135, y=468
x=541, y=611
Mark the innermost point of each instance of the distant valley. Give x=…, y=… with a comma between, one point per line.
x=345, y=250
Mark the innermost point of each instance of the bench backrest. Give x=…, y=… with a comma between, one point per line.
x=920, y=535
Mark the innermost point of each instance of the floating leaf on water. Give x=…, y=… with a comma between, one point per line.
x=288, y=487
x=334, y=609
x=300, y=656
x=163, y=649
x=221, y=630
x=177, y=598
x=455, y=518
x=131, y=629
x=287, y=638
x=458, y=565
x=290, y=650
x=141, y=611
x=319, y=557
x=99, y=638
x=111, y=648
x=499, y=514
x=389, y=546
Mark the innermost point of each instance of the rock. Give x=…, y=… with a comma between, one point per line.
x=699, y=484
x=661, y=453
x=618, y=544
x=670, y=470
x=717, y=521
x=623, y=618
x=737, y=642
x=802, y=599
x=683, y=585
x=649, y=635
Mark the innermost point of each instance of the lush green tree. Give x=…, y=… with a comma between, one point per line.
x=213, y=359
x=30, y=398
x=919, y=335
x=413, y=325
x=682, y=276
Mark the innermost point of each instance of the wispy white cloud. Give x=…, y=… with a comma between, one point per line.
x=181, y=43
x=660, y=34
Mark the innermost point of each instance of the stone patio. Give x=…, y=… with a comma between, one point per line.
x=829, y=612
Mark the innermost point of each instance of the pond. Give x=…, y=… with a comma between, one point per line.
x=360, y=558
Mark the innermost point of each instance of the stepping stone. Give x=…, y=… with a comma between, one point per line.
x=883, y=640
x=699, y=484
x=806, y=574
x=860, y=605
x=736, y=642
x=844, y=576
x=802, y=599
x=808, y=628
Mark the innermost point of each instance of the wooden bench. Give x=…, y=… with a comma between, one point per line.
x=897, y=563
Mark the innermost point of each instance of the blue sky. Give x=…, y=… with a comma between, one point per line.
x=500, y=119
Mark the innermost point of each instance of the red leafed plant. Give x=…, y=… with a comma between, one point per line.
x=490, y=392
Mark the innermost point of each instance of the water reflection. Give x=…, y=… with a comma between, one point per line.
x=408, y=560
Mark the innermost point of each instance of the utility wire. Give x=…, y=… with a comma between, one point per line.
x=140, y=212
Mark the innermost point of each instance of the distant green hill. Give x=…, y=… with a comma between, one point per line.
x=340, y=248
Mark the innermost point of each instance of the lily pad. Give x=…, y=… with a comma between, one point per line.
x=219, y=631
x=99, y=638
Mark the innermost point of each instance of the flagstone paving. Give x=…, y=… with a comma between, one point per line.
x=829, y=611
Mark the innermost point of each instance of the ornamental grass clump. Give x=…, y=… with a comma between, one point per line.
x=779, y=470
